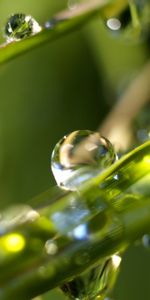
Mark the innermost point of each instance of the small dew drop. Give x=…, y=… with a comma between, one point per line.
x=32, y=215
x=51, y=23
x=72, y=4
x=20, y=26
x=143, y=135
x=113, y=24
x=146, y=241
x=51, y=247
x=78, y=156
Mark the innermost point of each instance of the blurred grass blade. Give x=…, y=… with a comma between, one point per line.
x=62, y=24
x=43, y=247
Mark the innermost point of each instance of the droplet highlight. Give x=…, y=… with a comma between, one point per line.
x=113, y=24
x=20, y=26
x=79, y=156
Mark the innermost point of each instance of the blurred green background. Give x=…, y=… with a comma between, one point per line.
x=64, y=86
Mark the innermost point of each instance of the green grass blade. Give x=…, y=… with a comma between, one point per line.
x=63, y=23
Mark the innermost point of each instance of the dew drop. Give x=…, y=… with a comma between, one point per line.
x=146, y=241
x=95, y=283
x=20, y=26
x=72, y=4
x=80, y=155
x=51, y=23
x=113, y=24
x=51, y=247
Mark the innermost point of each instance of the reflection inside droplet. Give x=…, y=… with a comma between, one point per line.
x=66, y=220
x=20, y=26
x=113, y=24
x=80, y=232
x=116, y=260
x=94, y=283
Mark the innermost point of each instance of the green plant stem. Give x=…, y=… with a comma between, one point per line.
x=119, y=121
x=112, y=214
x=62, y=24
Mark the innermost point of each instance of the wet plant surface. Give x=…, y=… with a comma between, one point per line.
x=74, y=235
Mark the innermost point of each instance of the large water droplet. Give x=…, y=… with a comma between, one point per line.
x=20, y=26
x=79, y=156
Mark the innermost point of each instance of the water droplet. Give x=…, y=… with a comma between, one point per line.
x=20, y=26
x=51, y=247
x=146, y=241
x=51, y=23
x=80, y=155
x=143, y=135
x=95, y=283
x=113, y=24
x=72, y=4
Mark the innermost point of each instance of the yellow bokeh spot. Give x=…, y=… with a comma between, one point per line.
x=146, y=159
x=13, y=242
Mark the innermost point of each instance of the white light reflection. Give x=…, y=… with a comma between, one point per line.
x=35, y=26
x=80, y=232
x=114, y=24
x=116, y=260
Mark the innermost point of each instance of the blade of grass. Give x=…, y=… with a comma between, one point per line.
x=62, y=24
